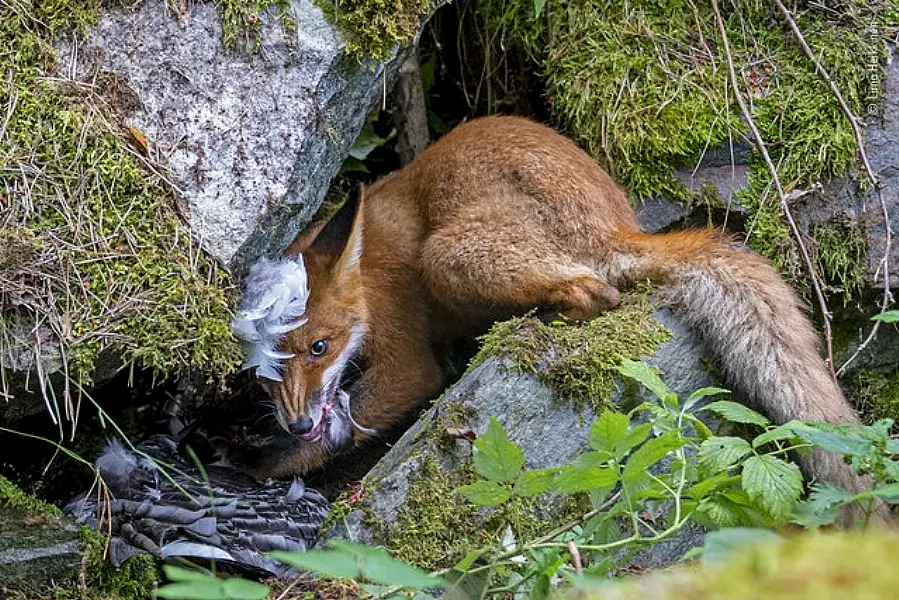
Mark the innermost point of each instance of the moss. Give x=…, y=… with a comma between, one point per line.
x=579, y=361
x=877, y=395
x=113, y=266
x=12, y=497
x=435, y=527
x=136, y=578
x=241, y=19
x=373, y=28
x=812, y=566
x=841, y=252
x=643, y=87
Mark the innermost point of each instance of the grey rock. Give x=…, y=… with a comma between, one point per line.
x=551, y=432
x=37, y=551
x=881, y=137
x=252, y=139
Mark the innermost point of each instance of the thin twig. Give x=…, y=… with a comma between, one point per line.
x=784, y=205
x=884, y=267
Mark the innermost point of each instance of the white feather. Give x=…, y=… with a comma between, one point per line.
x=273, y=303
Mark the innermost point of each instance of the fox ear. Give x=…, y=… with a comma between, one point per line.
x=339, y=238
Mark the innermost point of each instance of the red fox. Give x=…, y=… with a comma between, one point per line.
x=500, y=216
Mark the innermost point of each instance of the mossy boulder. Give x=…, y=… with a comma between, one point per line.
x=544, y=383
x=42, y=552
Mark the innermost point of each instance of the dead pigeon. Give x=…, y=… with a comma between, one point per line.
x=164, y=504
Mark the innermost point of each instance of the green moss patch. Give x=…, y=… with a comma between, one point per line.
x=877, y=395
x=110, y=266
x=373, y=28
x=436, y=527
x=579, y=361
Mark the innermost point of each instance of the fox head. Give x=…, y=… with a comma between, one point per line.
x=301, y=352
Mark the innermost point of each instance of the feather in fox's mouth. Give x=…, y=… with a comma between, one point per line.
x=336, y=421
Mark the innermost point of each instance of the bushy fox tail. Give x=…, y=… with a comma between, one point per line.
x=754, y=326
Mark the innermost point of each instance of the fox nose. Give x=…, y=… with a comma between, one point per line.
x=302, y=425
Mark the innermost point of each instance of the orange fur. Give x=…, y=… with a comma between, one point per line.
x=503, y=215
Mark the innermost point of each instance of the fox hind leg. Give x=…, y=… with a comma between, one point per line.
x=506, y=270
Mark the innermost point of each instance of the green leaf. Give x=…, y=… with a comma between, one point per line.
x=608, y=430
x=572, y=479
x=465, y=564
x=538, y=7
x=832, y=439
x=650, y=453
x=822, y=507
x=495, y=457
x=775, y=434
x=772, y=483
x=377, y=565
x=736, y=413
x=486, y=493
x=890, y=316
x=534, y=482
x=181, y=574
x=328, y=563
x=719, y=453
x=888, y=493
x=722, y=544
x=645, y=375
x=241, y=589
x=634, y=437
x=706, y=486
x=703, y=393
x=208, y=589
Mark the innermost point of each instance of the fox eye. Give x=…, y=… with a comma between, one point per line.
x=318, y=347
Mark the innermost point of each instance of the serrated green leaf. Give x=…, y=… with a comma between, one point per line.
x=534, y=482
x=645, y=375
x=208, y=589
x=832, y=439
x=772, y=483
x=825, y=494
x=486, y=493
x=822, y=506
x=649, y=454
x=608, y=430
x=572, y=479
x=495, y=457
x=328, y=563
x=719, y=453
x=719, y=511
x=634, y=437
x=888, y=493
x=890, y=316
x=736, y=413
x=722, y=544
x=241, y=589
x=538, y=7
